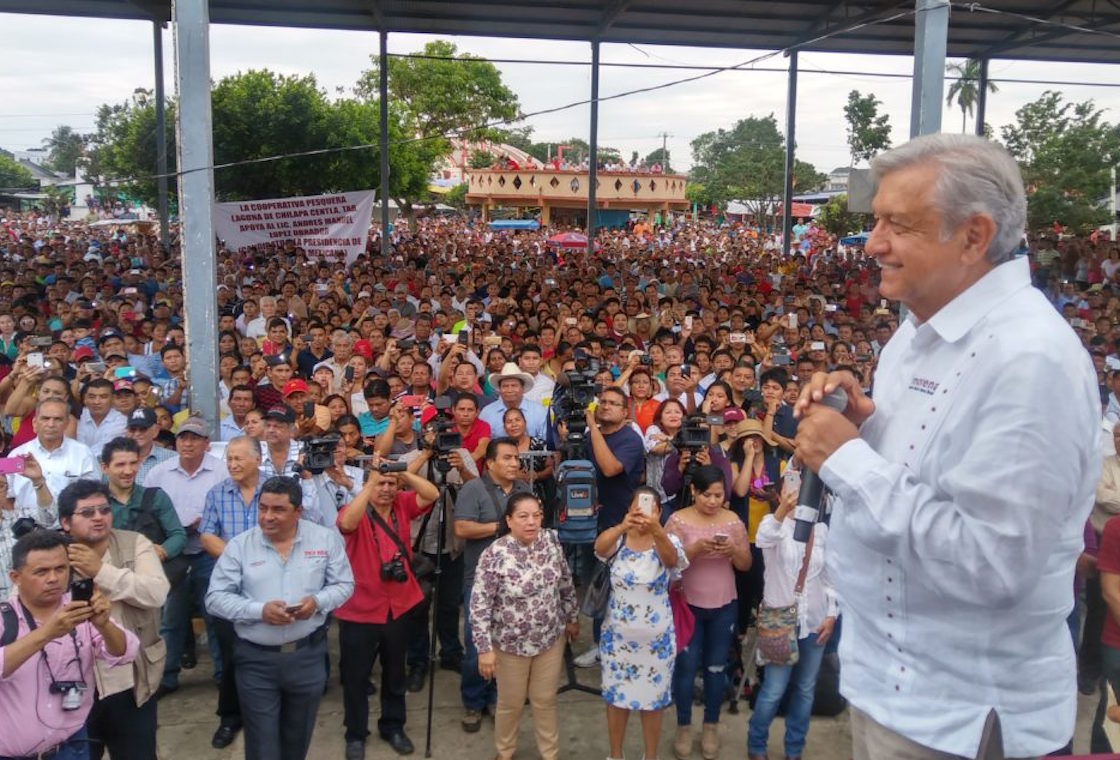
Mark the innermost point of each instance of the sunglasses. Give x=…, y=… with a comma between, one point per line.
x=91, y=511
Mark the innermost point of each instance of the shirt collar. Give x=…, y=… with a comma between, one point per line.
x=955, y=319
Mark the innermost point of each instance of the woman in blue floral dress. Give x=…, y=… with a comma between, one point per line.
x=638, y=643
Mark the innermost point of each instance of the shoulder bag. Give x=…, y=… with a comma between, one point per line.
x=777, y=626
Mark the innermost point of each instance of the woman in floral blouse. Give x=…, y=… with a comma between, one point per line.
x=523, y=607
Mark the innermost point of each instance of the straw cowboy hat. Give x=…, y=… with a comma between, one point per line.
x=511, y=370
x=753, y=427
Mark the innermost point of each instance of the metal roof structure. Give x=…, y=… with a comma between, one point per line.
x=1020, y=29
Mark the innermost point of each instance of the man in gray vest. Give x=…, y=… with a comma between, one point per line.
x=125, y=567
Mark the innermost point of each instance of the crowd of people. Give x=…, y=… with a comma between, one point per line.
x=417, y=409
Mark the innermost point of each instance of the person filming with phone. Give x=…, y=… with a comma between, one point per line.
x=52, y=634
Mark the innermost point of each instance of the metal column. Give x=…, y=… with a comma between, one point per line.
x=383, y=139
x=982, y=97
x=196, y=197
x=791, y=137
x=593, y=168
x=931, y=37
x=161, y=137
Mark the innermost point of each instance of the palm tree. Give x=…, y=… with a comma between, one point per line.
x=964, y=88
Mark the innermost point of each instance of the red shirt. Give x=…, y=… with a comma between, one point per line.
x=1108, y=561
x=478, y=431
x=374, y=599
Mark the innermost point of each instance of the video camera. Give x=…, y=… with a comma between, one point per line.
x=694, y=434
x=318, y=453
x=581, y=390
x=446, y=438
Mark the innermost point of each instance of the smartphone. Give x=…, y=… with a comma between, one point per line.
x=35, y=359
x=781, y=360
x=292, y=609
x=685, y=371
x=492, y=340
x=816, y=345
x=792, y=321
x=737, y=338
x=413, y=401
x=349, y=374
x=96, y=368
x=571, y=321
x=128, y=292
x=464, y=337
x=81, y=589
x=645, y=504
x=830, y=307
x=123, y=373
x=309, y=409
x=406, y=344
x=688, y=322
x=42, y=341
x=721, y=538
x=11, y=465
x=305, y=338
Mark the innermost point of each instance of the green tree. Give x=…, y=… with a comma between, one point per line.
x=747, y=164
x=869, y=132
x=480, y=159
x=123, y=146
x=457, y=198
x=660, y=156
x=66, y=146
x=965, y=89
x=13, y=176
x=1064, y=150
x=440, y=95
x=837, y=220
x=56, y=200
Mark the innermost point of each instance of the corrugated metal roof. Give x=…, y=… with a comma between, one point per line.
x=754, y=24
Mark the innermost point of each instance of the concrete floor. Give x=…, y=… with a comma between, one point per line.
x=187, y=721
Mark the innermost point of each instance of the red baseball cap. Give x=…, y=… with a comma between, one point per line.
x=294, y=386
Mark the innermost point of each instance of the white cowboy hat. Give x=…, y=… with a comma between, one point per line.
x=511, y=370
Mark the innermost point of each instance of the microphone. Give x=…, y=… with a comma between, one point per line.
x=808, y=510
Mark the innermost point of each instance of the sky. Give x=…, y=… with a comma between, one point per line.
x=57, y=70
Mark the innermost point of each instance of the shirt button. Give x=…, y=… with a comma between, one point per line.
x=890, y=580
x=933, y=408
x=891, y=636
x=888, y=599
x=923, y=427
x=890, y=615
x=902, y=669
x=897, y=687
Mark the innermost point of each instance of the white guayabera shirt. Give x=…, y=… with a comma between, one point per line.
x=959, y=518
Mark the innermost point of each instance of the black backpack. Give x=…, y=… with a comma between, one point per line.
x=145, y=522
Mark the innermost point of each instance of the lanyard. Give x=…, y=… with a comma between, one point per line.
x=43, y=652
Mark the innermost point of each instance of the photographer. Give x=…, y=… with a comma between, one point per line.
x=618, y=455
x=377, y=620
x=125, y=566
x=47, y=670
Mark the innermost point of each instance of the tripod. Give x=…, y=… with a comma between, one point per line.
x=437, y=474
x=575, y=447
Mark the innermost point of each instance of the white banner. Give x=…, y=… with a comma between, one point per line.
x=323, y=225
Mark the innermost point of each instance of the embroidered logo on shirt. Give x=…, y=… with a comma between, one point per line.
x=315, y=553
x=922, y=385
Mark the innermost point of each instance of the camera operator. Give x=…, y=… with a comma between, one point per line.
x=337, y=485
x=693, y=448
x=438, y=459
x=126, y=568
x=47, y=670
x=281, y=454
x=377, y=620
x=618, y=456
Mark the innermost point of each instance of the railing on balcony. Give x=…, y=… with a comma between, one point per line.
x=565, y=187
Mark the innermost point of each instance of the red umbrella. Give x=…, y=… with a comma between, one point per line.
x=573, y=240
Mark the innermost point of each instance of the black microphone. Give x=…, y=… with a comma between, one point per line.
x=808, y=511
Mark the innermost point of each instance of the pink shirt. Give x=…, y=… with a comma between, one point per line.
x=34, y=720
x=709, y=582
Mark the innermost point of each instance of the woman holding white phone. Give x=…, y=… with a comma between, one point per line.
x=638, y=641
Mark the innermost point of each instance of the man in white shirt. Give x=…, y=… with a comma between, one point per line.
x=962, y=490
x=62, y=459
x=100, y=422
x=529, y=360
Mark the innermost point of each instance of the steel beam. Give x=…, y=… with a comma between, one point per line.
x=982, y=97
x=196, y=199
x=791, y=137
x=161, y=137
x=383, y=140
x=593, y=142
x=931, y=35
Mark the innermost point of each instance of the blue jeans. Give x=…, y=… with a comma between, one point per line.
x=74, y=748
x=176, y=626
x=476, y=691
x=801, y=679
x=711, y=642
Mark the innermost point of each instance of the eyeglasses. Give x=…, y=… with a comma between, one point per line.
x=611, y=403
x=91, y=511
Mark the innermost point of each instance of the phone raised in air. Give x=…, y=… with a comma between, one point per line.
x=11, y=465
x=81, y=589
